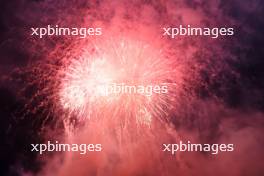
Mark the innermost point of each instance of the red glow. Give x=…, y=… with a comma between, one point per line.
x=125, y=60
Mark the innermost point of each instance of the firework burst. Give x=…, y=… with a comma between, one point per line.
x=70, y=86
x=125, y=61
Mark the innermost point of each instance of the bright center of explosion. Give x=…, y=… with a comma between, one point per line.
x=83, y=82
x=125, y=78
